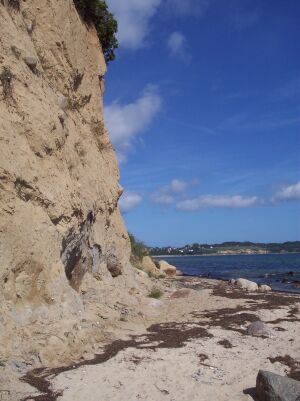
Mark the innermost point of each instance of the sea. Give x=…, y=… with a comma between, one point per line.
x=280, y=271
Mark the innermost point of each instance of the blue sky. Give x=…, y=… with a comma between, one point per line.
x=203, y=109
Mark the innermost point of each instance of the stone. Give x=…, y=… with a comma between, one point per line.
x=264, y=288
x=246, y=284
x=273, y=387
x=141, y=273
x=114, y=266
x=31, y=61
x=168, y=269
x=156, y=303
x=181, y=293
x=259, y=329
x=150, y=268
x=63, y=102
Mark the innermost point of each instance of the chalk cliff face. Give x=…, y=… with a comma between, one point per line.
x=63, y=244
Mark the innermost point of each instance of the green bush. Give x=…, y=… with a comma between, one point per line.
x=96, y=12
x=156, y=293
x=138, y=248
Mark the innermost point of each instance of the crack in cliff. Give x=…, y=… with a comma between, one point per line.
x=77, y=254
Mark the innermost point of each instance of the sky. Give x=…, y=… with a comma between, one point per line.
x=202, y=105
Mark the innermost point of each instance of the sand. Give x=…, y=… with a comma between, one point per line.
x=192, y=346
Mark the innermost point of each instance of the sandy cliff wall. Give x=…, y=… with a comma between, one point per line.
x=63, y=244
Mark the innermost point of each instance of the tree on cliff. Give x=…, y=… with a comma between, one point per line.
x=96, y=12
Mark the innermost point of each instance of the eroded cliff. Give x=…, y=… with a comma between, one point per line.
x=64, y=250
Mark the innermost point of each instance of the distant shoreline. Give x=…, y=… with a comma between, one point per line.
x=231, y=254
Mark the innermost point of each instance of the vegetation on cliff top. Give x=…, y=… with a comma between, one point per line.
x=96, y=12
x=138, y=248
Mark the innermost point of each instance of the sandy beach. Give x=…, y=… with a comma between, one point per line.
x=192, y=344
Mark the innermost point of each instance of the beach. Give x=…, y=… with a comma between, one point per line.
x=191, y=344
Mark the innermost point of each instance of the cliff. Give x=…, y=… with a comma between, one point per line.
x=64, y=250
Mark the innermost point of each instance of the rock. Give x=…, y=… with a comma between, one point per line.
x=142, y=273
x=259, y=329
x=150, y=268
x=182, y=293
x=264, y=288
x=246, y=284
x=18, y=366
x=114, y=266
x=273, y=387
x=232, y=282
x=31, y=61
x=156, y=303
x=63, y=102
x=167, y=268
x=179, y=273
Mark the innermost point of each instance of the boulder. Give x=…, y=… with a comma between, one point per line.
x=273, y=387
x=264, y=288
x=246, y=284
x=156, y=303
x=63, y=102
x=141, y=273
x=113, y=265
x=150, y=268
x=259, y=329
x=31, y=61
x=168, y=269
x=181, y=293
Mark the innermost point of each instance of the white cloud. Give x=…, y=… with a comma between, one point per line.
x=166, y=195
x=129, y=200
x=188, y=7
x=177, y=186
x=217, y=201
x=126, y=122
x=133, y=18
x=162, y=198
x=288, y=193
x=176, y=42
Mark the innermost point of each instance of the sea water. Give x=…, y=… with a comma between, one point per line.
x=280, y=271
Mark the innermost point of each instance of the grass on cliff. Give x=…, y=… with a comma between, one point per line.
x=156, y=293
x=138, y=248
x=6, y=80
x=96, y=12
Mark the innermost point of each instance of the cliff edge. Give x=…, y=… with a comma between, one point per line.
x=64, y=250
